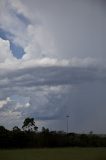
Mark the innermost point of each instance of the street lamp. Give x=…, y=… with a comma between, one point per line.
x=67, y=116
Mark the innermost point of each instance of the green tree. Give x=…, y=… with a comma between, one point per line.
x=3, y=130
x=16, y=129
x=29, y=124
x=45, y=130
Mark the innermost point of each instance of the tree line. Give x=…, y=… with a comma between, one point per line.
x=30, y=137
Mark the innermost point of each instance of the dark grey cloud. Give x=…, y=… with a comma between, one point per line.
x=55, y=91
x=40, y=76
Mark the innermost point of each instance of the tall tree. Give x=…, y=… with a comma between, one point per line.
x=29, y=124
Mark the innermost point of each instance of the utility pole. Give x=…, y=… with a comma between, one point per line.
x=67, y=116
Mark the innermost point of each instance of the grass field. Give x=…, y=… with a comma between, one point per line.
x=54, y=154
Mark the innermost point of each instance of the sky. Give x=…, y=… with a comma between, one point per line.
x=53, y=64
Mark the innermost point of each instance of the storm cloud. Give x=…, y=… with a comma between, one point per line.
x=62, y=65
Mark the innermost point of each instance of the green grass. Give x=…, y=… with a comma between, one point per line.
x=54, y=154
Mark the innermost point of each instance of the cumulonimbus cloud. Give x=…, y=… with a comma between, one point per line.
x=42, y=82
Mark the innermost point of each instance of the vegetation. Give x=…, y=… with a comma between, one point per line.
x=29, y=124
x=54, y=154
x=29, y=137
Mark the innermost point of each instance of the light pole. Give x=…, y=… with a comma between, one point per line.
x=67, y=116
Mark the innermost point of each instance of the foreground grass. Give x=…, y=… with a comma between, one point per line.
x=54, y=154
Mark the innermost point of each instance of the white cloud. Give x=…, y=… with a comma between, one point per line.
x=34, y=38
x=10, y=23
x=5, y=52
x=27, y=104
x=4, y=102
x=40, y=43
x=19, y=7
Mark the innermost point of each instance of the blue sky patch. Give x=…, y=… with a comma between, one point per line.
x=5, y=34
x=23, y=18
x=16, y=50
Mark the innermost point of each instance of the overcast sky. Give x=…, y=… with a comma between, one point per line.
x=53, y=63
